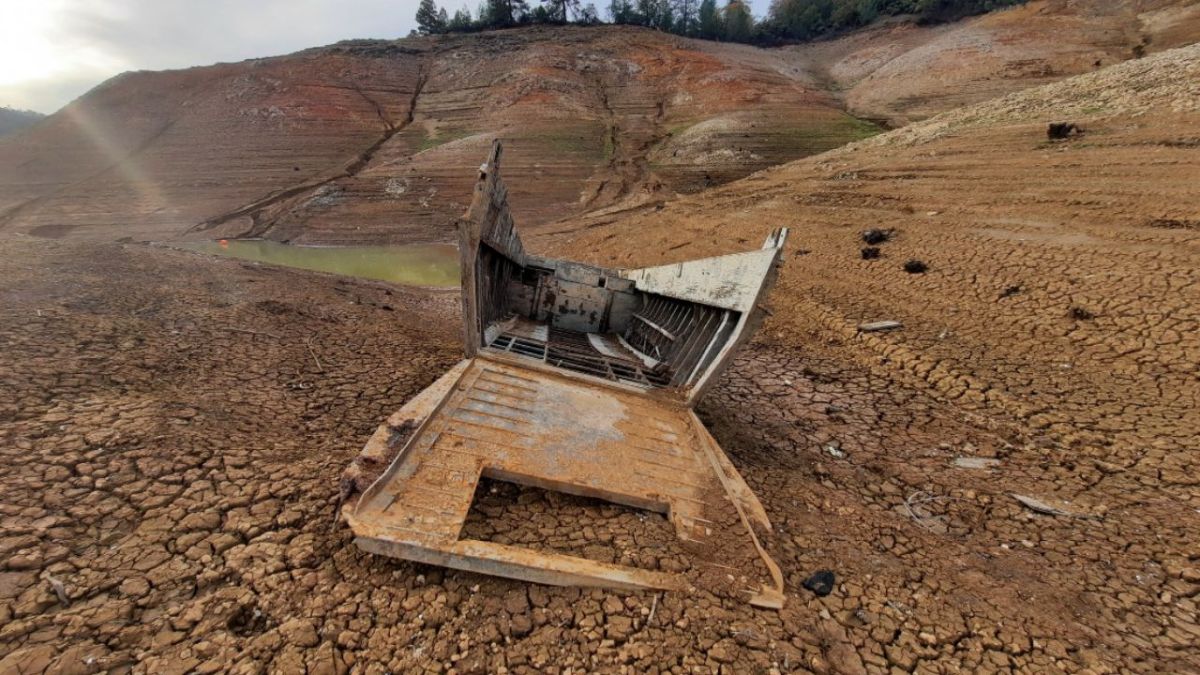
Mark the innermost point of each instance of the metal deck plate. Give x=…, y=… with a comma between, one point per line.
x=523, y=425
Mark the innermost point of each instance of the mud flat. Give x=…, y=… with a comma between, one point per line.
x=1058, y=311
x=175, y=427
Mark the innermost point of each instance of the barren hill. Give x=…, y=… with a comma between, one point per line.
x=371, y=141
x=13, y=120
x=900, y=72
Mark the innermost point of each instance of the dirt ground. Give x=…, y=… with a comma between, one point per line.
x=173, y=427
x=1054, y=330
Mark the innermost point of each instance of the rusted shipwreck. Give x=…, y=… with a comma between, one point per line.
x=582, y=380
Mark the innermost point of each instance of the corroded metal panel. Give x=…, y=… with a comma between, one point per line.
x=730, y=281
x=511, y=423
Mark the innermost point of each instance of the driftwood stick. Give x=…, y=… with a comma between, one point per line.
x=308, y=343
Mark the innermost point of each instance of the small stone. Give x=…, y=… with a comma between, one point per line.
x=821, y=583
x=618, y=627
x=975, y=462
x=300, y=632
x=723, y=652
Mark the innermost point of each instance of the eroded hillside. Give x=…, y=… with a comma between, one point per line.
x=1060, y=309
x=367, y=141
x=371, y=141
x=900, y=72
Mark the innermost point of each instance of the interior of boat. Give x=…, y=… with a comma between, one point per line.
x=668, y=326
x=594, y=321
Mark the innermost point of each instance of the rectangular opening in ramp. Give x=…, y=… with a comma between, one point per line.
x=549, y=521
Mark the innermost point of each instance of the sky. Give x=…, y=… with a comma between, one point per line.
x=52, y=51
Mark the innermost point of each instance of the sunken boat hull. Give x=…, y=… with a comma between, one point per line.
x=578, y=379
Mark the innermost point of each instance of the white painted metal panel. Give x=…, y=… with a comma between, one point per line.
x=729, y=281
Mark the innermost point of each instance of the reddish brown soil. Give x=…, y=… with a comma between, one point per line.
x=366, y=141
x=173, y=428
x=1055, y=330
x=172, y=449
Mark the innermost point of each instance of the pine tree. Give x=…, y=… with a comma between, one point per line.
x=461, y=22
x=502, y=13
x=685, y=17
x=429, y=21
x=738, y=23
x=665, y=18
x=588, y=15
x=621, y=12
x=710, y=22
x=647, y=12
x=559, y=9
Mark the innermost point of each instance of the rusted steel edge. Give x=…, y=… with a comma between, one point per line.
x=513, y=562
x=417, y=433
x=577, y=489
x=562, y=570
x=742, y=497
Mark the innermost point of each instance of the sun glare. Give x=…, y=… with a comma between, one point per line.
x=26, y=48
x=35, y=47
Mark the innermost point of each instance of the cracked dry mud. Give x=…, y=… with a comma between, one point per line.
x=1055, y=330
x=171, y=449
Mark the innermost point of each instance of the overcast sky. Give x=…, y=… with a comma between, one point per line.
x=51, y=51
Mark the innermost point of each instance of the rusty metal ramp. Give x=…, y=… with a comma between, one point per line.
x=522, y=425
x=582, y=380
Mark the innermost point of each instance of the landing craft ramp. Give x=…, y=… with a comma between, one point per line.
x=581, y=380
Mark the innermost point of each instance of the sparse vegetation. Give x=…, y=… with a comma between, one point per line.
x=441, y=137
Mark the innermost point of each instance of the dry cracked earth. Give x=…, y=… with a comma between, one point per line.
x=173, y=427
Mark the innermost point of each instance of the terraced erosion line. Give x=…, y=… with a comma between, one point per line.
x=10, y=214
x=939, y=379
x=613, y=138
x=350, y=170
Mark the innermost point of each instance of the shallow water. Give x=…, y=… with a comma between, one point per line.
x=414, y=265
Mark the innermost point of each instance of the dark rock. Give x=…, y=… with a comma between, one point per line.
x=1058, y=131
x=915, y=266
x=1081, y=313
x=870, y=252
x=874, y=236
x=821, y=583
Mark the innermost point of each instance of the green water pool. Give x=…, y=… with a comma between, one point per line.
x=415, y=264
